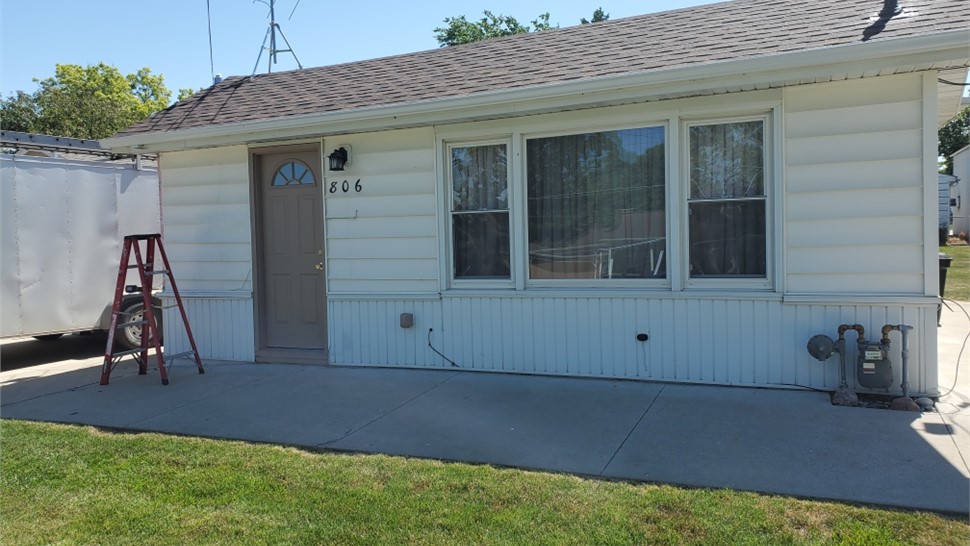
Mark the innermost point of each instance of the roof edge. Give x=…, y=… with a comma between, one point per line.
x=936, y=47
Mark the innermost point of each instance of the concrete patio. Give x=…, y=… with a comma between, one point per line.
x=772, y=441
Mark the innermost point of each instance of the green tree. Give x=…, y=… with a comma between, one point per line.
x=89, y=102
x=462, y=31
x=19, y=113
x=954, y=136
x=598, y=17
x=187, y=92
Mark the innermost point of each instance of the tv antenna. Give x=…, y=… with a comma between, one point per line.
x=274, y=28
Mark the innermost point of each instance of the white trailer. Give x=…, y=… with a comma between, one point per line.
x=65, y=208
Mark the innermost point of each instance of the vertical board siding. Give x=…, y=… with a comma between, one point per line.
x=206, y=215
x=853, y=164
x=383, y=239
x=722, y=341
x=223, y=328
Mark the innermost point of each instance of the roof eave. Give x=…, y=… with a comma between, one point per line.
x=853, y=58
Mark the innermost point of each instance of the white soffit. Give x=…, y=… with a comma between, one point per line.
x=950, y=96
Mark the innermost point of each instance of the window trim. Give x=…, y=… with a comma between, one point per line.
x=674, y=116
x=595, y=284
x=772, y=182
x=448, y=250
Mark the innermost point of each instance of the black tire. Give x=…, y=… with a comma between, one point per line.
x=48, y=337
x=129, y=337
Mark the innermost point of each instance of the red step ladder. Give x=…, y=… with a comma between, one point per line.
x=149, y=331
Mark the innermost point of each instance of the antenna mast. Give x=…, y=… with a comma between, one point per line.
x=274, y=27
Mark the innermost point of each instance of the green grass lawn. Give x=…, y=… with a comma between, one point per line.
x=958, y=274
x=79, y=485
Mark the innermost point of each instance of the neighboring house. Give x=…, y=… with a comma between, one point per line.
x=681, y=196
x=946, y=202
x=961, y=192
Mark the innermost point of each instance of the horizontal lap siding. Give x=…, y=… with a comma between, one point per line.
x=854, y=187
x=724, y=341
x=385, y=237
x=206, y=214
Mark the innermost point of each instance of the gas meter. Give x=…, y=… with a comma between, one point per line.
x=874, y=371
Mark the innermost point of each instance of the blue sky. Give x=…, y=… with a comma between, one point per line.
x=171, y=37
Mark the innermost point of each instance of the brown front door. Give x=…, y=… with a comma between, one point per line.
x=292, y=299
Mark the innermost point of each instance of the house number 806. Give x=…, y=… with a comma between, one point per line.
x=345, y=186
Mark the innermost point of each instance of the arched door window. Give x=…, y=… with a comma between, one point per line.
x=293, y=173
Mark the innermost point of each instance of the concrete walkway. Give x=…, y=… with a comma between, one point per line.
x=784, y=442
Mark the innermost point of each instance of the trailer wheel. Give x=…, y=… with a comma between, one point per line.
x=48, y=337
x=129, y=337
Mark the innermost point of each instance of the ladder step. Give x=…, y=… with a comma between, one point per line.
x=179, y=355
x=129, y=352
x=156, y=307
x=153, y=272
x=136, y=323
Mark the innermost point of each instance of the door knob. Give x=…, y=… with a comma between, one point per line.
x=319, y=266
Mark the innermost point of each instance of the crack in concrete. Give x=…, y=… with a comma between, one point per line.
x=386, y=413
x=623, y=443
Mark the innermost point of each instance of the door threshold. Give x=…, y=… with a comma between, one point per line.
x=315, y=357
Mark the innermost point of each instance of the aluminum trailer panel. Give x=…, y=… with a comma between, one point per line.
x=61, y=225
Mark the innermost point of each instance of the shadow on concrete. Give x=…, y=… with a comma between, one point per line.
x=24, y=352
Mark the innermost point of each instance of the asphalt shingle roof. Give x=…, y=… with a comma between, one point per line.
x=660, y=41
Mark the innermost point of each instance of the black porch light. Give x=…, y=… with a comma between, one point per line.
x=339, y=158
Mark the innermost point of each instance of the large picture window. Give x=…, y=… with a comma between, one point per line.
x=726, y=202
x=480, y=211
x=596, y=205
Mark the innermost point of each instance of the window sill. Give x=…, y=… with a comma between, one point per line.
x=615, y=293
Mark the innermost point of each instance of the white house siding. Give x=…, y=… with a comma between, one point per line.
x=383, y=239
x=222, y=325
x=206, y=218
x=853, y=165
x=854, y=194
x=708, y=339
x=852, y=162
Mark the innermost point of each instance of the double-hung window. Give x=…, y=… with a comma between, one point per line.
x=479, y=177
x=726, y=200
x=596, y=205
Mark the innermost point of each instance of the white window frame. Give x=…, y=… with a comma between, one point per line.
x=597, y=284
x=448, y=250
x=675, y=117
x=771, y=183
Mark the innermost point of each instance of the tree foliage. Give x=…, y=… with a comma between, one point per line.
x=89, y=102
x=954, y=136
x=187, y=92
x=598, y=17
x=462, y=31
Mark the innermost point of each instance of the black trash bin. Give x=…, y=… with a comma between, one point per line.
x=945, y=262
